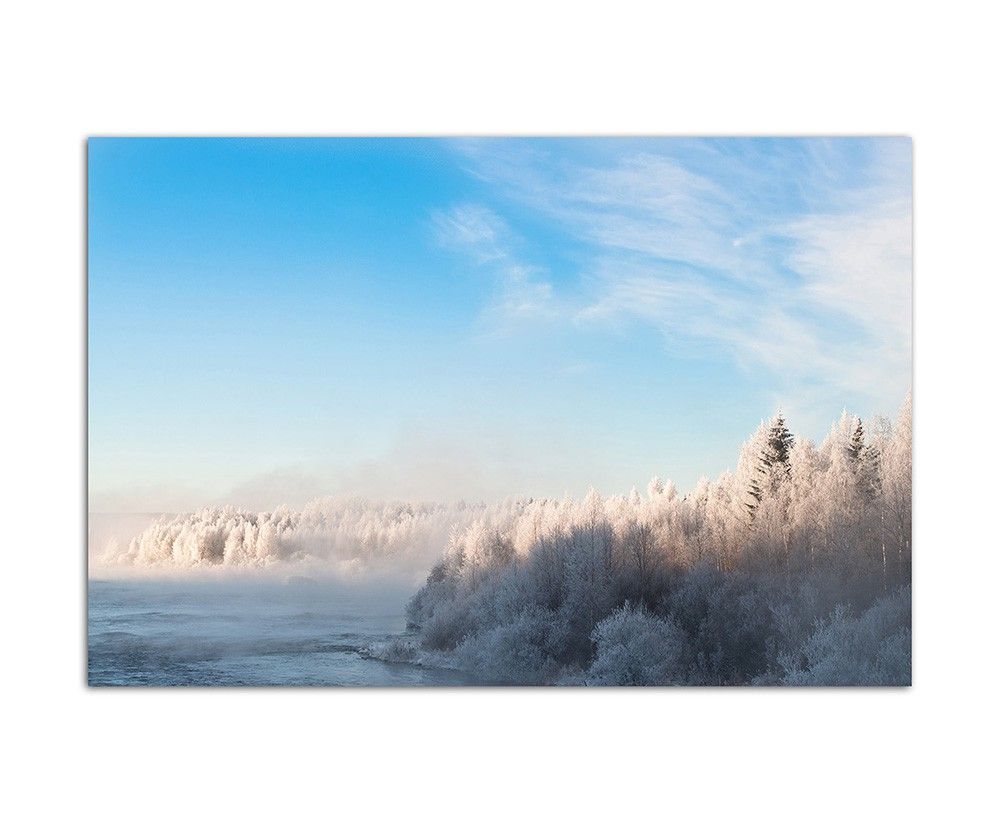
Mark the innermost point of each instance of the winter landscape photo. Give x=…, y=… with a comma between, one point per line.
x=574, y=411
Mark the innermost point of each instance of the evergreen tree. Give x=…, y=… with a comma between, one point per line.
x=774, y=459
x=756, y=496
x=856, y=445
x=773, y=464
x=870, y=471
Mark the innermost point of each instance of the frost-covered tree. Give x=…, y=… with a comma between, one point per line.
x=774, y=460
x=856, y=443
x=766, y=462
x=871, y=649
x=636, y=648
x=739, y=581
x=794, y=568
x=896, y=478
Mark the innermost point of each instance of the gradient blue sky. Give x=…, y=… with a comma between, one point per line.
x=275, y=319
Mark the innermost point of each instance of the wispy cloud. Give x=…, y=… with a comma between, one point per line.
x=793, y=256
x=473, y=229
x=522, y=291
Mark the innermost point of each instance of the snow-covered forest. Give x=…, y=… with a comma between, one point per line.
x=795, y=569
x=328, y=536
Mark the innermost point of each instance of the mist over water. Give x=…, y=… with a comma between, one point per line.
x=224, y=596
x=254, y=631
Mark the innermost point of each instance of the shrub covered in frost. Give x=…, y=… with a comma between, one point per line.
x=512, y=653
x=871, y=649
x=635, y=648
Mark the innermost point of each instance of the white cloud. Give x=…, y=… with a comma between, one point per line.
x=523, y=292
x=473, y=229
x=716, y=259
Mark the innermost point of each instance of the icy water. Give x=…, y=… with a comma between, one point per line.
x=256, y=633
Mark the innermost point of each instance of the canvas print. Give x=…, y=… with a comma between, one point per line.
x=499, y=411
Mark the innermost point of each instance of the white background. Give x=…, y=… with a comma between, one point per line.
x=430, y=67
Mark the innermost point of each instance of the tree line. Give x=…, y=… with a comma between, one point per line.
x=793, y=569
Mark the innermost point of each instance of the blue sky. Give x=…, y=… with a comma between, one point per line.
x=271, y=320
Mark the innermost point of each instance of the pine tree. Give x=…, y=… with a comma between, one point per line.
x=774, y=460
x=856, y=445
x=773, y=465
x=756, y=496
x=870, y=471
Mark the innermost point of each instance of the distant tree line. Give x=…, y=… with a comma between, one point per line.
x=328, y=535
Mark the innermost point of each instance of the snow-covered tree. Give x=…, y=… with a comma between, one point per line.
x=793, y=568
x=725, y=585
